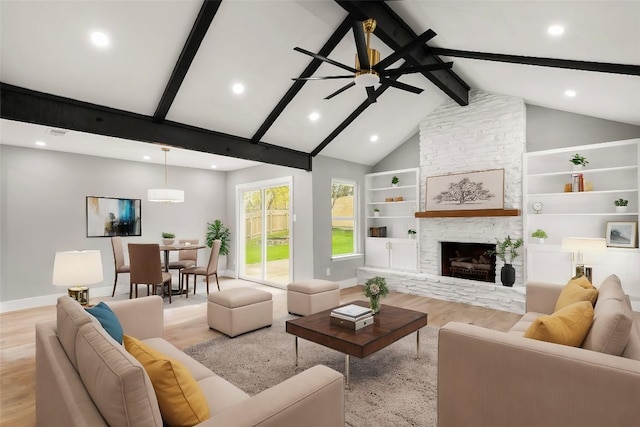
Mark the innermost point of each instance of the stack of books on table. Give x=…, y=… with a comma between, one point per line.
x=351, y=316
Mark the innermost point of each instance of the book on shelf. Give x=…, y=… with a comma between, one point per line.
x=577, y=182
x=350, y=324
x=352, y=310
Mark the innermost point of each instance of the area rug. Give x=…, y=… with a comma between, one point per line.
x=389, y=388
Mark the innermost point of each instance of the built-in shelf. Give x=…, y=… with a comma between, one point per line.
x=583, y=193
x=468, y=213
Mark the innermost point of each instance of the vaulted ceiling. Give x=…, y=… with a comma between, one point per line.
x=166, y=76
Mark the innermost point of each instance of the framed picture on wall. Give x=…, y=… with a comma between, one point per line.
x=621, y=234
x=466, y=191
x=110, y=216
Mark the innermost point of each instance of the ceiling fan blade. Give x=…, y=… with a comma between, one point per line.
x=361, y=45
x=402, y=86
x=418, y=69
x=322, y=58
x=405, y=50
x=371, y=94
x=339, y=91
x=350, y=76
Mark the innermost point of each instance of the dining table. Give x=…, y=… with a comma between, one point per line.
x=177, y=247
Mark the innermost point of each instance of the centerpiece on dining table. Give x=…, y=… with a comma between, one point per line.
x=168, y=238
x=374, y=289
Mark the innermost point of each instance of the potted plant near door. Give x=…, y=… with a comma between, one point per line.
x=507, y=251
x=218, y=231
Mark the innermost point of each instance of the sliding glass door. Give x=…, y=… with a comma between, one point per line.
x=265, y=238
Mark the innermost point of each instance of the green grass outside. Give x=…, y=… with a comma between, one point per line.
x=341, y=241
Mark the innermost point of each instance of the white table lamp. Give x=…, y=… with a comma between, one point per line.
x=76, y=270
x=578, y=246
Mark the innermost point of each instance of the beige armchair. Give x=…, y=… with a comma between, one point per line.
x=146, y=268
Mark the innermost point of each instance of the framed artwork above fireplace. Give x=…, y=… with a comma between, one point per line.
x=466, y=191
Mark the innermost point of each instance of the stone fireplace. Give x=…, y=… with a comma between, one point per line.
x=489, y=133
x=468, y=261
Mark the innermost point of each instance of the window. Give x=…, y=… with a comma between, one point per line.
x=344, y=227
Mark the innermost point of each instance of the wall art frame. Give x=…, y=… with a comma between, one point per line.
x=466, y=191
x=621, y=234
x=113, y=216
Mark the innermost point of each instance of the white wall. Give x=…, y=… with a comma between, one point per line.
x=43, y=211
x=404, y=157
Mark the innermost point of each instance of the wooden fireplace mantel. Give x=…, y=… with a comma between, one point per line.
x=468, y=213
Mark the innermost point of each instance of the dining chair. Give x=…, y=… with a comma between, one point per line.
x=207, y=270
x=186, y=258
x=118, y=259
x=146, y=268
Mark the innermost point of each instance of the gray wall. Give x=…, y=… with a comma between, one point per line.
x=405, y=156
x=548, y=128
x=43, y=207
x=303, y=230
x=324, y=169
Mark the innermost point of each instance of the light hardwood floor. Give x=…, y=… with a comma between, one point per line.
x=185, y=326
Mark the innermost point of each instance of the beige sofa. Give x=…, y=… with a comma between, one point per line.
x=85, y=378
x=491, y=378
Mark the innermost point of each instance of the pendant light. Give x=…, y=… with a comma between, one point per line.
x=165, y=195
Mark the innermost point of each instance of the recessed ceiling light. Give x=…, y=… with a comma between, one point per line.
x=314, y=116
x=237, y=88
x=213, y=166
x=556, y=30
x=373, y=138
x=570, y=93
x=41, y=143
x=100, y=39
x=146, y=157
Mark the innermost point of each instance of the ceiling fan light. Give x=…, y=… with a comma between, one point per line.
x=367, y=79
x=165, y=195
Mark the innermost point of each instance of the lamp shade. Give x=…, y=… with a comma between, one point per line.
x=77, y=268
x=584, y=244
x=165, y=195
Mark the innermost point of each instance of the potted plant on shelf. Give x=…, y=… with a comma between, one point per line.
x=540, y=235
x=507, y=251
x=412, y=233
x=394, y=181
x=376, y=212
x=579, y=162
x=218, y=231
x=621, y=205
x=168, y=238
x=374, y=289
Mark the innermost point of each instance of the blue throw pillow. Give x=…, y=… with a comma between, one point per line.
x=108, y=320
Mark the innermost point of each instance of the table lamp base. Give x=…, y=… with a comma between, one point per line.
x=80, y=294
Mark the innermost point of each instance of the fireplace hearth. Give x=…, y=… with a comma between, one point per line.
x=468, y=261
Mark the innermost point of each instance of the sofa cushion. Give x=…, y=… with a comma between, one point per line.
x=612, y=321
x=70, y=316
x=220, y=393
x=567, y=326
x=524, y=323
x=197, y=370
x=575, y=291
x=116, y=382
x=181, y=400
x=108, y=320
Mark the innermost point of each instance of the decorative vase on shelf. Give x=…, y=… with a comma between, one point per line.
x=577, y=168
x=621, y=209
x=374, y=303
x=376, y=214
x=508, y=275
x=540, y=240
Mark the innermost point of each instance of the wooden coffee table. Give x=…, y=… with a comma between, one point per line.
x=390, y=324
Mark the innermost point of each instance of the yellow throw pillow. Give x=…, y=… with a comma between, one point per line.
x=181, y=400
x=575, y=291
x=582, y=281
x=568, y=326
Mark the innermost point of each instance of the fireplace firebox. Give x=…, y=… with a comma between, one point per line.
x=468, y=261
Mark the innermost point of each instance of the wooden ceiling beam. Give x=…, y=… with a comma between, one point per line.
x=313, y=66
x=395, y=33
x=29, y=106
x=198, y=31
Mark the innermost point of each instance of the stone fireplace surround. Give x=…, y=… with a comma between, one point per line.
x=489, y=133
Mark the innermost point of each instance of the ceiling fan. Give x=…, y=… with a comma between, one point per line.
x=369, y=69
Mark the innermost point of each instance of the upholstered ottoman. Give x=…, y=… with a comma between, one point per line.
x=311, y=296
x=239, y=310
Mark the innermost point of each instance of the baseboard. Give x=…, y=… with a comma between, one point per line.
x=349, y=283
x=21, y=304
